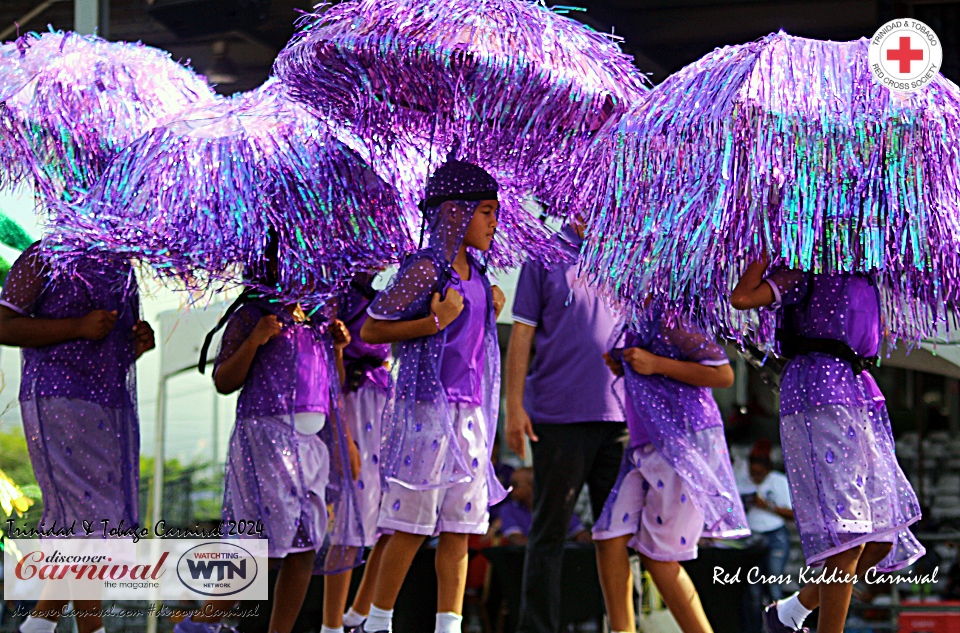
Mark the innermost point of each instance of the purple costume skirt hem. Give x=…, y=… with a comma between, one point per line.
x=876, y=537
x=278, y=476
x=86, y=460
x=846, y=485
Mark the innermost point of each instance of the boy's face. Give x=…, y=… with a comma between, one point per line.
x=482, y=226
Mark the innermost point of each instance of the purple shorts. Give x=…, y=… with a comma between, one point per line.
x=84, y=458
x=653, y=503
x=284, y=490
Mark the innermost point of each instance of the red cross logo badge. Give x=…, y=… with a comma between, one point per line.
x=905, y=55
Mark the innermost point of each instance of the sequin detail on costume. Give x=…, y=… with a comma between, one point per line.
x=78, y=398
x=857, y=491
x=682, y=425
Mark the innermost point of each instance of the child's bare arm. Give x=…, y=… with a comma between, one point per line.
x=19, y=330
x=232, y=372
x=646, y=364
x=341, y=338
x=751, y=291
x=446, y=310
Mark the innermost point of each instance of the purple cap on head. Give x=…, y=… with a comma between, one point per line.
x=459, y=180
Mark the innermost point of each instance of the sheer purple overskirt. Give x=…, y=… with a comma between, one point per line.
x=78, y=398
x=270, y=470
x=860, y=494
x=420, y=449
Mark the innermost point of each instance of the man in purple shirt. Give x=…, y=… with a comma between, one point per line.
x=566, y=406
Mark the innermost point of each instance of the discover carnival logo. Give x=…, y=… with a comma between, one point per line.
x=905, y=55
x=217, y=569
x=150, y=569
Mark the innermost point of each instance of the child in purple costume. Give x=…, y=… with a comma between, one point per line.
x=365, y=391
x=677, y=482
x=80, y=335
x=851, y=500
x=291, y=455
x=442, y=413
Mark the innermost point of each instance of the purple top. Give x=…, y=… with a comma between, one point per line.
x=266, y=391
x=352, y=311
x=101, y=371
x=461, y=362
x=839, y=306
x=313, y=386
x=516, y=518
x=568, y=380
x=666, y=401
x=462, y=352
x=420, y=449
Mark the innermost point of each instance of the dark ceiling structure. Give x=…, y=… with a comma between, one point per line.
x=234, y=42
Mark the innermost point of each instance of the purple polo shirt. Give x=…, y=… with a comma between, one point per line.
x=568, y=380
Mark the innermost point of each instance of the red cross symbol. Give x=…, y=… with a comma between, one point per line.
x=905, y=54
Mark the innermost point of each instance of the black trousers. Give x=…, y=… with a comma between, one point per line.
x=565, y=457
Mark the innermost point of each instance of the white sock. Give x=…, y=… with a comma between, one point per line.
x=100, y=630
x=352, y=618
x=37, y=625
x=379, y=620
x=791, y=612
x=449, y=622
x=326, y=629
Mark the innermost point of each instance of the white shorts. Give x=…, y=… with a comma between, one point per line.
x=278, y=476
x=461, y=508
x=362, y=411
x=653, y=503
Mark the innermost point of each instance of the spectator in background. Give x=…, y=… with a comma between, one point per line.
x=516, y=514
x=768, y=509
x=567, y=408
x=504, y=474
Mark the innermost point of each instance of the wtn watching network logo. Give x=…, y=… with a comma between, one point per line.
x=217, y=569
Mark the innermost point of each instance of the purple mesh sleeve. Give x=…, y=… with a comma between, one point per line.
x=24, y=282
x=413, y=285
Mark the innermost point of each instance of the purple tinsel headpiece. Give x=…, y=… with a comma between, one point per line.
x=70, y=102
x=786, y=146
x=517, y=84
x=521, y=234
x=198, y=198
